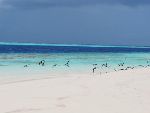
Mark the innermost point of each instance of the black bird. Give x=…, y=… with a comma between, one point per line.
x=42, y=62
x=94, y=69
x=141, y=65
x=129, y=67
x=132, y=67
x=54, y=65
x=148, y=61
x=94, y=64
x=25, y=65
x=67, y=64
x=148, y=66
x=105, y=65
x=121, y=64
x=115, y=69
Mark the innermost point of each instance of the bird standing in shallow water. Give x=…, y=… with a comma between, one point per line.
x=140, y=65
x=42, y=62
x=54, y=65
x=129, y=67
x=121, y=64
x=25, y=65
x=105, y=65
x=94, y=64
x=94, y=69
x=67, y=64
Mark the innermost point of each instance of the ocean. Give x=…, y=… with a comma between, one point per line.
x=62, y=48
x=23, y=59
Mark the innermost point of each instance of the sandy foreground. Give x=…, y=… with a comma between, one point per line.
x=116, y=92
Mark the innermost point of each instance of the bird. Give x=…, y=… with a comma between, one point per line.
x=42, y=62
x=140, y=65
x=67, y=64
x=129, y=67
x=148, y=66
x=94, y=64
x=121, y=64
x=148, y=61
x=54, y=65
x=25, y=65
x=94, y=69
x=105, y=65
x=115, y=69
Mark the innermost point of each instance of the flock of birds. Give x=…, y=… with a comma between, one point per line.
x=121, y=66
x=42, y=63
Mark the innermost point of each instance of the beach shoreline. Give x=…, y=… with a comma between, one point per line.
x=115, y=92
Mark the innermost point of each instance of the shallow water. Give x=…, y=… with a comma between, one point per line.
x=79, y=62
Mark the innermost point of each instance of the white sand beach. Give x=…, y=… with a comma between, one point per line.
x=116, y=92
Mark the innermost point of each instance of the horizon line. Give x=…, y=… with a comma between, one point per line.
x=75, y=45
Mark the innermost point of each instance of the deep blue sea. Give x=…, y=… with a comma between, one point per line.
x=56, y=48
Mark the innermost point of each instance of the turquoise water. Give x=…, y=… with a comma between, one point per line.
x=82, y=63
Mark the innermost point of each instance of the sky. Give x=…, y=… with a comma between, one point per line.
x=104, y=22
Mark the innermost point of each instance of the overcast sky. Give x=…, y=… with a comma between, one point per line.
x=105, y=22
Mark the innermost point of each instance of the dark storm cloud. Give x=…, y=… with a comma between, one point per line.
x=29, y=4
x=103, y=22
